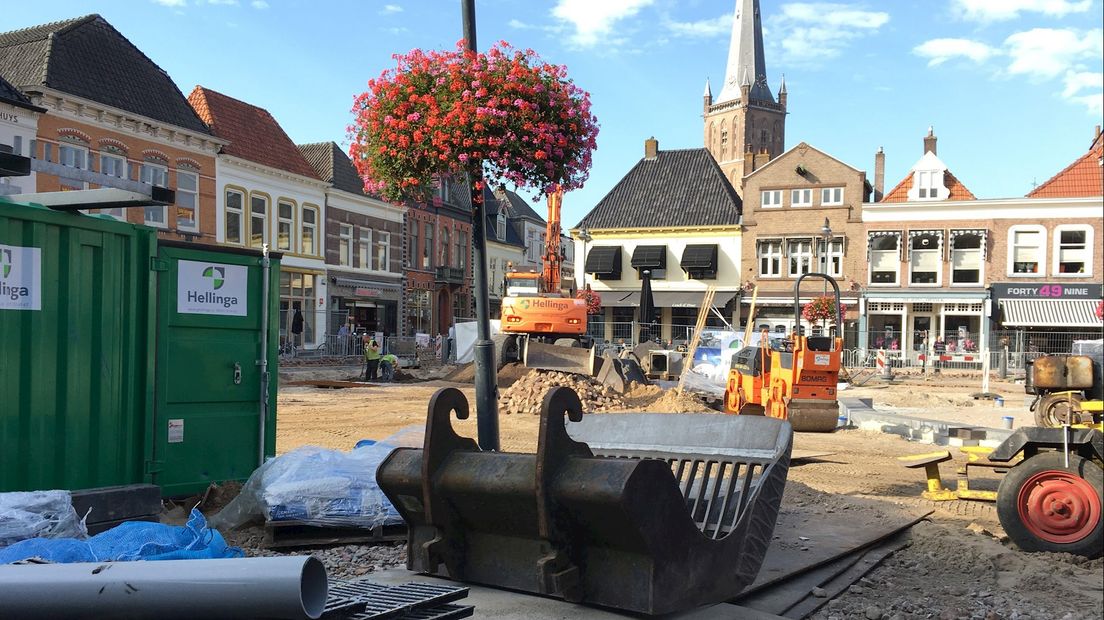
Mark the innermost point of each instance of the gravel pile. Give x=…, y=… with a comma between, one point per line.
x=342, y=561
x=526, y=394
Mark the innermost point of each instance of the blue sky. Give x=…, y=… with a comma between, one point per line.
x=1012, y=87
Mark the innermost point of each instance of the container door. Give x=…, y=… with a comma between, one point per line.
x=206, y=423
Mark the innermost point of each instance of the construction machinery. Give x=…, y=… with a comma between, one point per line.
x=544, y=326
x=1061, y=384
x=791, y=379
x=1049, y=498
x=650, y=513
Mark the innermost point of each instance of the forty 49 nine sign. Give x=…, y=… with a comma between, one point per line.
x=20, y=278
x=1064, y=290
x=211, y=288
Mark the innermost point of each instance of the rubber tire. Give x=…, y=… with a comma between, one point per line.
x=1008, y=491
x=1045, y=411
x=568, y=342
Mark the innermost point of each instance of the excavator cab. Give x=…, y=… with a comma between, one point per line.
x=795, y=381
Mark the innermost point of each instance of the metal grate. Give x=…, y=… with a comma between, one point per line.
x=366, y=600
x=441, y=612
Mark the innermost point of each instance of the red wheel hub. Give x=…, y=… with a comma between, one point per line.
x=1058, y=506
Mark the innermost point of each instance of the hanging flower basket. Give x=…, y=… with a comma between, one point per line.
x=821, y=309
x=445, y=112
x=592, y=298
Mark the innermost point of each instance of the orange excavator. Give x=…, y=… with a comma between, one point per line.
x=794, y=378
x=545, y=326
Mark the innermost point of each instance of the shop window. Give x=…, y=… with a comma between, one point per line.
x=800, y=254
x=966, y=258
x=234, y=202
x=770, y=258
x=885, y=258
x=925, y=257
x=309, y=235
x=345, y=245
x=885, y=332
x=1027, y=247
x=187, y=203
x=158, y=175
x=832, y=259
x=1073, y=250
x=285, y=224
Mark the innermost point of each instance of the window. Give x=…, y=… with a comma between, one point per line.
x=458, y=254
x=966, y=257
x=72, y=156
x=364, y=249
x=800, y=252
x=832, y=260
x=345, y=245
x=1027, y=247
x=831, y=196
x=1073, y=250
x=885, y=257
x=309, y=235
x=500, y=226
x=113, y=165
x=927, y=183
x=285, y=224
x=155, y=174
x=801, y=198
x=771, y=199
x=382, y=261
x=258, y=216
x=187, y=205
x=427, y=249
x=770, y=258
x=412, y=247
x=446, y=247
x=925, y=257
x=234, y=202
x=17, y=145
x=47, y=151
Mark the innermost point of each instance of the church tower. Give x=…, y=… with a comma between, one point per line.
x=744, y=126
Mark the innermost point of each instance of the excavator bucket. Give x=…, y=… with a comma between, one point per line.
x=648, y=513
x=559, y=357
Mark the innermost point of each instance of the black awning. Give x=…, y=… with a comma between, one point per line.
x=604, y=261
x=700, y=261
x=650, y=257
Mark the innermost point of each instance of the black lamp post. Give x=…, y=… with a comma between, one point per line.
x=486, y=388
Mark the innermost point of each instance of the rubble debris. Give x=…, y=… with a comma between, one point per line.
x=526, y=394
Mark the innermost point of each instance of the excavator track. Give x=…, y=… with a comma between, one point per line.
x=813, y=416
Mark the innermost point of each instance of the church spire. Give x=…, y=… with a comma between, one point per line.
x=745, y=55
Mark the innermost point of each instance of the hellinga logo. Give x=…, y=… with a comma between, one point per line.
x=13, y=293
x=5, y=260
x=217, y=275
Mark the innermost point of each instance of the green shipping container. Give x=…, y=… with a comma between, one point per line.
x=125, y=359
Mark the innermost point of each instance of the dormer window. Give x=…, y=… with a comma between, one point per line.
x=500, y=226
x=928, y=183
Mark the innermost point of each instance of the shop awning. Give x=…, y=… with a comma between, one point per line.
x=1049, y=313
x=700, y=260
x=649, y=257
x=620, y=299
x=689, y=299
x=604, y=261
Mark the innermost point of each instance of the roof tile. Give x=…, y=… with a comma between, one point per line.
x=1080, y=179
x=253, y=133
x=958, y=191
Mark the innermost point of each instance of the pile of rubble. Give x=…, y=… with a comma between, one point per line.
x=527, y=393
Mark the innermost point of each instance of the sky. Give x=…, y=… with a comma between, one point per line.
x=1012, y=88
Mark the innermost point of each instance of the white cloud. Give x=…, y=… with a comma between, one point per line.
x=224, y=2
x=812, y=32
x=520, y=25
x=939, y=51
x=594, y=21
x=259, y=4
x=1003, y=10
x=1078, y=81
x=705, y=28
x=1047, y=52
x=171, y=3
x=390, y=9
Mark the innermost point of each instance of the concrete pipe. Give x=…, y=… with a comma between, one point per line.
x=279, y=587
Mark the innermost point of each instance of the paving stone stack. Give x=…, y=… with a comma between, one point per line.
x=527, y=393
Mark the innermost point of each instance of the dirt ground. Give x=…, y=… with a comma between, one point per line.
x=959, y=564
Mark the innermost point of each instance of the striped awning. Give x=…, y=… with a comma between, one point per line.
x=1049, y=313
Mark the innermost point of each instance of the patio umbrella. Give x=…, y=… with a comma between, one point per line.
x=647, y=305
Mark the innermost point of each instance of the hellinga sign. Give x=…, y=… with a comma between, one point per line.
x=212, y=288
x=20, y=278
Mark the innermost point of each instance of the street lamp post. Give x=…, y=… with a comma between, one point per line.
x=826, y=232
x=584, y=236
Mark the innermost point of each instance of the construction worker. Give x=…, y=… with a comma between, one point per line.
x=371, y=358
x=388, y=365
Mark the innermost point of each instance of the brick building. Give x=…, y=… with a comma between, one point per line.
x=18, y=128
x=112, y=110
x=363, y=246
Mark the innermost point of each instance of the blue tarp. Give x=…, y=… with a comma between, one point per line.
x=134, y=540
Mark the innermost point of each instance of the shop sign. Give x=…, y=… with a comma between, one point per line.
x=1081, y=290
x=368, y=292
x=20, y=278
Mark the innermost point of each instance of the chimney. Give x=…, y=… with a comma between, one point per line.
x=651, y=148
x=761, y=158
x=879, y=175
x=749, y=160
x=929, y=141
x=1096, y=133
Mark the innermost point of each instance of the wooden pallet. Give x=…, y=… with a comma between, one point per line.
x=281, y=534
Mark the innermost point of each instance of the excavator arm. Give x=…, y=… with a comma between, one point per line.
x=553, y=258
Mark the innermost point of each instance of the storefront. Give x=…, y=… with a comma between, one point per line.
x=302, y=312
x=1045, y=317
x=910, y=325
x=365, y=305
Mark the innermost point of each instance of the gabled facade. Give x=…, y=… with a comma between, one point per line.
x=675, y=215
x=364, y=247
x=113, y=111
x=505, y=248
x=802, y=213
x=269, y=194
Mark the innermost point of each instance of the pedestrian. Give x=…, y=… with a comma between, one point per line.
x=371, y=358
x=388, y=365
x=940, y=347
